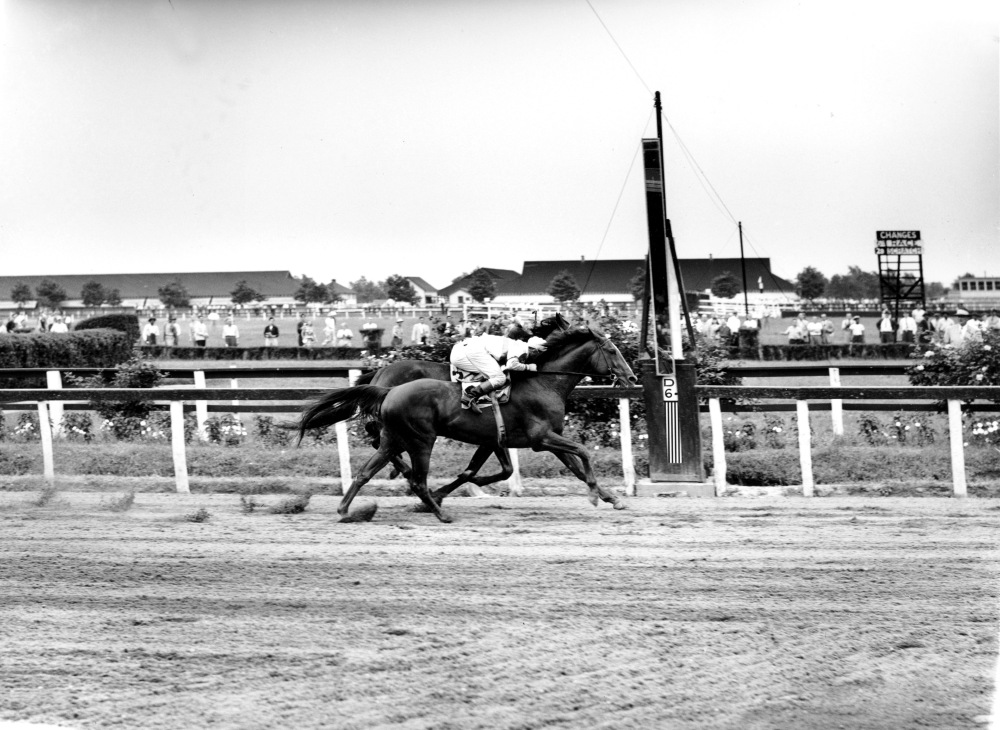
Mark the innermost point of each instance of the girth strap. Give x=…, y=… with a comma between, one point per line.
x=501, y=431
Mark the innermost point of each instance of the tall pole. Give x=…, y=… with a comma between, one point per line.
x=743, y=265
x=674, y=271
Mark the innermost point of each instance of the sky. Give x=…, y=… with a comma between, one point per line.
x=426, y=138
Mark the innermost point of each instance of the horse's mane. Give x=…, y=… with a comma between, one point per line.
x=560, y=339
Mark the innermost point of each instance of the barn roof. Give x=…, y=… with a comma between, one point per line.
x=462, y=282
x=612, y=276
x=422, y=284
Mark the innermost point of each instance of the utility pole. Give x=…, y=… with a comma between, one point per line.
x=743, y=266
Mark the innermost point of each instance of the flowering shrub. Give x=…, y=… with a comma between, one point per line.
x=3, y=427
x=27, y=427
x=739, y=438
x=228, y=430
x=269, y=433
x=126, y=418
x=975, y=362
x=774, y=431
x=872, y=430
x=901, y=429
x=78, y=426
x=984, y=431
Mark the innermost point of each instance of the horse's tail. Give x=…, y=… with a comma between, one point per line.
x=341, y=404
x=366, y=377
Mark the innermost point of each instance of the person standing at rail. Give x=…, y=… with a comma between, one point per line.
x=230, y=333
x=199, y=332
x=271, y=333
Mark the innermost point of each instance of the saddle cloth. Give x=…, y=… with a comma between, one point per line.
x=467, y=380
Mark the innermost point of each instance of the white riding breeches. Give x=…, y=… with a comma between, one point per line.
x=472, y=357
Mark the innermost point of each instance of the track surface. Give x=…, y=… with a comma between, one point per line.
x=525, y=613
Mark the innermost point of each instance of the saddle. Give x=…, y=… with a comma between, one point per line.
x=468, y=380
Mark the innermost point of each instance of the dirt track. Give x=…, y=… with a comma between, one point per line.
x=525, y=613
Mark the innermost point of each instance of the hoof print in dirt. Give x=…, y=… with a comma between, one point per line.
x=364, y=513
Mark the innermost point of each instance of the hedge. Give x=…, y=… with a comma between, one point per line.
x=162, y=352
x=102, y=348
x=128, y=323
x=894, y=351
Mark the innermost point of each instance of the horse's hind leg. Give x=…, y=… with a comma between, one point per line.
x=420, y=458
x=574, y=456
x=376, y=461
x=469, y=475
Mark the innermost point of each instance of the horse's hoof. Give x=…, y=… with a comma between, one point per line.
x=445, y=517
x=364, y=513
x=420, y=507
x=593, y=498
x=619, y=504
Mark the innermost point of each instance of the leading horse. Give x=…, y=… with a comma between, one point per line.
x=414, y=414
x=405, y=371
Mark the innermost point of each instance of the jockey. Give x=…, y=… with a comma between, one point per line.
x=482, y=355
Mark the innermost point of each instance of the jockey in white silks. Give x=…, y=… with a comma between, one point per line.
x=482, y=354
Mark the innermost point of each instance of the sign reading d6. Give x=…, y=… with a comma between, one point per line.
x=670, y=390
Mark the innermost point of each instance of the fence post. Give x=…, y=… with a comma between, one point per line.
x=957, y=448
x=234, y=383
x=836, y=405
x=805, y=447
x=200, y=406
x=343, y=446
x=45, y=431
x=718, y=446
x=628, y=463
x=177, y=446
x=53, y=380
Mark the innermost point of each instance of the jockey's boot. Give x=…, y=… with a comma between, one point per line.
x=479, y=389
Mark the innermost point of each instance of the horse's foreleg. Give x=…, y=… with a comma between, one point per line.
x=469, y=475
x=575, y=456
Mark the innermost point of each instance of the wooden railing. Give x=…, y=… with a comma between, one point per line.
x=50, y=401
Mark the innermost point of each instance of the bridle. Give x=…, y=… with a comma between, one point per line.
x=605, y=346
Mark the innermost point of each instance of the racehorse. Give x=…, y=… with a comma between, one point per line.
x=414, y=414
x=405, y=371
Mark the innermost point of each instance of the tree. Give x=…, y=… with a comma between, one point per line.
x=934, y=290
x=726, y=285
x=50, y=294
x=93, y=294
x=332, y=297
x=174, y=295
x=20, y=294
x=482, y=285
x=368, y=291
x=114, y=298
x=810, y=283
x=856, y=284
x=399, y=288
x=310, y=291
x=244, y=293
x=637, y=284
x=563, y=287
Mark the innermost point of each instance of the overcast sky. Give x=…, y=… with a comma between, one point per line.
x=426, y=138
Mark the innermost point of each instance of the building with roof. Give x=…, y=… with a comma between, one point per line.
x=457, y=292
x=141, y=291
x=426, y=294
x=612, y=280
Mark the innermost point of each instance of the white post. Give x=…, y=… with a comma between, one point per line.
x=625, y=430
x=53, y=379
x=343, y=446
x=515, y=483
x=836, y=405
x=957, y=448
x=718, y=446
x=234, y=383
x=200, y=406
x=805, y=447
x=45, y=431
x=177, y=445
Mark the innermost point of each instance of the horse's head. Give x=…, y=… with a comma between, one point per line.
x=608, y=360
x=585, y=350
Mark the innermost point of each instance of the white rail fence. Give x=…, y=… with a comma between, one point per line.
x=51, y=401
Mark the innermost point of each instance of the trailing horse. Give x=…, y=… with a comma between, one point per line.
x=414, y=414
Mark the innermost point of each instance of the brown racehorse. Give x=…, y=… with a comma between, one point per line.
x=405, y=371
x=414, y=414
